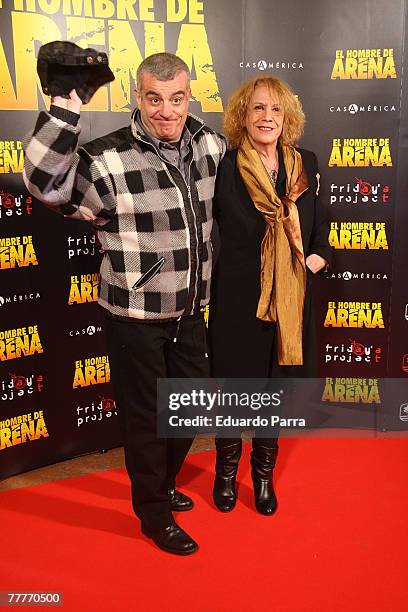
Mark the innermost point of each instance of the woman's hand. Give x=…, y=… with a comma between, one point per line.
x=315, y=263
x=73, y=103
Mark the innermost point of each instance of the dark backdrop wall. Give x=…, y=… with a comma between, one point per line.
x=346, y=62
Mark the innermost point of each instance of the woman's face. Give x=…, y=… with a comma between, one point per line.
x=264, y=117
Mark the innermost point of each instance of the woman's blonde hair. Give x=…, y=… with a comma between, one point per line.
x=235, y=113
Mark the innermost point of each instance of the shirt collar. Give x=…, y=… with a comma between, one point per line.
x=160, y=144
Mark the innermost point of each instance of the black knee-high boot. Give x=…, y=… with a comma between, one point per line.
x=263, y=460
x=226, y=467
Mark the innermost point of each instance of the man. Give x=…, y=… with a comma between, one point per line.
x=147, y=189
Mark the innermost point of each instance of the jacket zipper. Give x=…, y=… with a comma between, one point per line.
x=151, y=273
x=195, y=296
x=190, y=201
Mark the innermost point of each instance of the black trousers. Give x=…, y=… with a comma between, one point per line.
x=139, y=354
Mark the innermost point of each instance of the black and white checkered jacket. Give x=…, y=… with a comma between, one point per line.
x=153, y=227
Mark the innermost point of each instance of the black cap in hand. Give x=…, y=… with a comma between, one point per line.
x=63, y=66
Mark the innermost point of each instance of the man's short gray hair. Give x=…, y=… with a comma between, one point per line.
x=163, y=66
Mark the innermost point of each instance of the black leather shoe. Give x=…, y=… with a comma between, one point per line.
x=263, y=462
x=226, y=467
x=224, y=493
x=265, y=498
x=180, y=502
x=172, y=539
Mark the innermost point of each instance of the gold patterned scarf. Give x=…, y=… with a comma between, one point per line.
x=283, y=271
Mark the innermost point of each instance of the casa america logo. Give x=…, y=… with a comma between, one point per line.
x=97, y=411
x=275, y=64
x=355, y=109
x=361, y=192
x=20, y=342
x=353, y=352
x=364, y=64
x=17, y=252
x=18, y=298
x=358, y=235
x=15, y=206
x=351, y=390
x=84, y=288
x=360, y=152
x=347, y=275
x=91, y=371
x=89, y=330
x=354, y=314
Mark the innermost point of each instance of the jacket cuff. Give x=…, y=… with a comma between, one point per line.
x=64, y=114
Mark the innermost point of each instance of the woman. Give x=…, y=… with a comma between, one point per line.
x=273, y=240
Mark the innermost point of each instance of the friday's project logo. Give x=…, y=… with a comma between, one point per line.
x=353, y=352
x=96, y=411
x=362, y=192
x=15, y=206
x=83, y=246
x=19, y=385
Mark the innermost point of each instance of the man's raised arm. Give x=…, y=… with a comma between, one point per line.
x=64, y=178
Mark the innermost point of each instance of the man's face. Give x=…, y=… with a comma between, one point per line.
x=163, y=105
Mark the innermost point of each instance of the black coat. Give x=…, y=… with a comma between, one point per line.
x=241, y=344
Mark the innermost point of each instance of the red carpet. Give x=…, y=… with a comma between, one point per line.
x=339, y=540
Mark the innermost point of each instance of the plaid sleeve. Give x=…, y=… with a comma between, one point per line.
x=65, y=178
